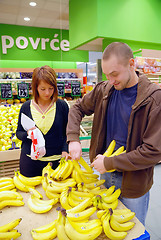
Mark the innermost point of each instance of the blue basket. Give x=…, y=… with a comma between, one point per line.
x=145, y=236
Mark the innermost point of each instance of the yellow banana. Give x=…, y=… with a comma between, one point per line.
x=110, y=149
x=7, y=195
x=73, y=234
x=51, y=195
x=81, y=195
x=60, y=226
x=59, y=187
x=48, y=235
x=19, y=185
x=5, y=183
x=64, y=200
x=78, y=177
x=112, y=205
x=90, y=175
x=79, y=198
x=118, y=151
x=110, y=233
x=7, y=187
x=81, y=207
x=121, y=211
x=100, y=213
x=44, y=182
x=9, y=226
x=81, y=215
x=120, y=227
x=48, y=170
x=37, y=208
x=53, y=173
x=87, y=179
x=45, y=228
x=69, y=171
x=30, y=181
x=11, y=202
x=73, y=202
x=40, y=202
x=112, y=197
x=85, y=165
x=13, y=234
x=122, y=218
x=77, y=167
x=108, y=191
x=94, y=184
x=85, y=227
x=4, y=179
x=36, y=193
x=62, y=165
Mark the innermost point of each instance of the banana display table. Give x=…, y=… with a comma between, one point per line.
x=32, y=220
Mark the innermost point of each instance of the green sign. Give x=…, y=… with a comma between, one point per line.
x=31, y=43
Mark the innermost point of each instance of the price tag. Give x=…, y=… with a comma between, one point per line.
x=22, y=90
x=6, y=91
x=61, y=88
x=75, y=89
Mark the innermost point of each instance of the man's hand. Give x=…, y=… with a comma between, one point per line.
x=75, y=150
x=98, y=164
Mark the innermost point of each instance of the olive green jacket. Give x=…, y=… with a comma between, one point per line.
x=143, y=149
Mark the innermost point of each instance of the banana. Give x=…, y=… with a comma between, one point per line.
x=112, y=197
x=73, y=234
x=81, y=215
x=121, y=211
x=69, y=171
x=107, y=192
x=118, y=151
x=9, y=226
x=54, y=172
x=7, y=187
x=11, y=202
x=64, y=200
x=110, y=149
x=85, y=165
x=48, y=170
x=85, y=227
x=58, y=187
x=81, y=196
x=30, y=181
x=13, y=234
x=60, y=226
x=100, y=213
x=41, y=202
x=45, y=228
x=112, y=205
x=110, y=233
x=48, y=235
x=44, y=182
x=8, y=195
x=38, y=208
x=81, y=207
x=120, y=227
x=94, y=184
x=73, y=202
x=19, y=185
x=90, y=175
x=77, y=176
x=77, y=167
x=51, y=195
x=5, y=183
x=4, y=179
x=122, y=218
x=63, y=167
x=87, y=179
x=33, y=191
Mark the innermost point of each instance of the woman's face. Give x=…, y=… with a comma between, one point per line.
x=45, y=91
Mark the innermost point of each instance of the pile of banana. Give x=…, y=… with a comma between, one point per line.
x=116, y=222
x=9, y=196
x=8, y=230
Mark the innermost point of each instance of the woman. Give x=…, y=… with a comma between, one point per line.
x=50, y=115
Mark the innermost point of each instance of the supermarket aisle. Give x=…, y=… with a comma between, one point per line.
x=153, y=222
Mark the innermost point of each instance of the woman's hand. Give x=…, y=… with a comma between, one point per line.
x=65, y=155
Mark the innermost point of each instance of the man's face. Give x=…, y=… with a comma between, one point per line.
x=118, y=73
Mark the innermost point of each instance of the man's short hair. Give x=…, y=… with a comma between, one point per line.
x=121, y=50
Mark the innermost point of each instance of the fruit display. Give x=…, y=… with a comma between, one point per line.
x=8, y=126
x=84, y=209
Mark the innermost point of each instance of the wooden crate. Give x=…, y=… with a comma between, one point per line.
x=9, y=161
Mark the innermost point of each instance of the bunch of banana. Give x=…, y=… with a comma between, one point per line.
x=116, y=222
x=45, y=232
x=63, y=170
x=109, y=152
x=99, y=202
x=10, y=198
x=22, y=183
x=74, y=230
x=38, y=205
x=70, y=198
x=8, y=230
x=60, y=225
x=6, y=183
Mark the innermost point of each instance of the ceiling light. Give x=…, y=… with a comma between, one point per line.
x=33, y=4
x=27, y=19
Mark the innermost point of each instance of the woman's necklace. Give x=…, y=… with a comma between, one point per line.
x=44, y=112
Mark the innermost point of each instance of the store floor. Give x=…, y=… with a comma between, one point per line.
x=153, y=222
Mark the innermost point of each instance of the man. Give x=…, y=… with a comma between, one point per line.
x=127, y=109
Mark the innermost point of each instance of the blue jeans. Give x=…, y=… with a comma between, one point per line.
x=137, y=205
